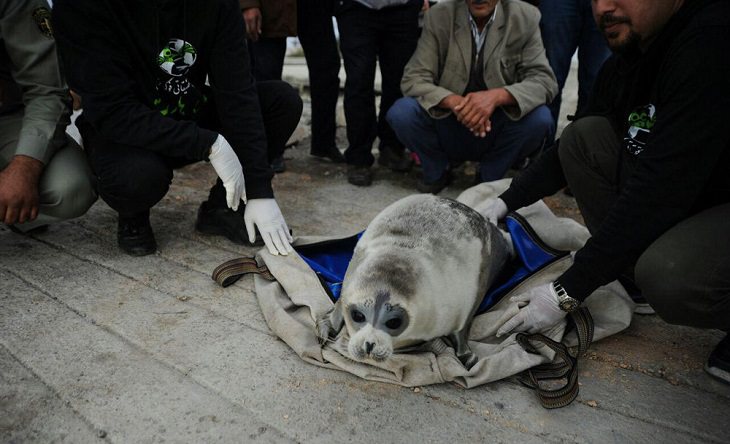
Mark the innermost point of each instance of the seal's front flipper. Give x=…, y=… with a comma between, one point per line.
x=329, y=324
x=460, y=341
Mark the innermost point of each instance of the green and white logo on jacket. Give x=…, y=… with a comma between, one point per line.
x=641, y=122
x=176, y=95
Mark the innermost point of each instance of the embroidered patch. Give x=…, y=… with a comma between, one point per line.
x=42, y=17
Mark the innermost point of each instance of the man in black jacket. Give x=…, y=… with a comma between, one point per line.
x=648, y=165
x=142, y=69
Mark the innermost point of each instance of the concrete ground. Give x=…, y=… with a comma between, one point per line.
x=99, y=346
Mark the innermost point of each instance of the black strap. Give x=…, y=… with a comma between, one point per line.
x=229, y=272
x=565, y=365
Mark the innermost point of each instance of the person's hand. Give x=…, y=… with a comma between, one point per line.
x=476, y=110
x=226, y=165
x=265, y=215
x=252, y=18
x=541, y=312
x=19, y=190
x=493, y=209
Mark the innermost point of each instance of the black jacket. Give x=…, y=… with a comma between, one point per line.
x=684, y=167
x=140, y=67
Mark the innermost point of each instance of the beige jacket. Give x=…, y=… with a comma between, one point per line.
x=514, y=57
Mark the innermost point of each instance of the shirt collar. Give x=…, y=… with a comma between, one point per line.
x=480, y=37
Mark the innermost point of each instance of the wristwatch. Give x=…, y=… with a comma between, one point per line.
x=565, y=302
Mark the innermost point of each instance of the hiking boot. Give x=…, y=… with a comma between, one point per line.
x=135, y=236
x=332, y=153
x=398, y=161
x=434, y=187
x=222, y=221
x=359, y=175
x=718, y=364
x=278, y=164
x=642, y=306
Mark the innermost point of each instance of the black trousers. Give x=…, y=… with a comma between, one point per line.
x=367, y=36
x=132, y=180
x=317, y=36
x=267, y=58
x=685, y=273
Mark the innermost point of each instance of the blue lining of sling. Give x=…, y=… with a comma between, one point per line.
x=330, y=260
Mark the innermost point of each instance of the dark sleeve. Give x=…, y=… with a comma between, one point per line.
x=543, y=178
x=98, y=69
x=685, y=145
x=237, y=101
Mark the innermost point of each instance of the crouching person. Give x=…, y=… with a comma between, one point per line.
x=44, y=176
x=475, y=89
x=141, y=70
x=648, y=165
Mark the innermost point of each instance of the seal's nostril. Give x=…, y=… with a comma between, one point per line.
x=369, y=347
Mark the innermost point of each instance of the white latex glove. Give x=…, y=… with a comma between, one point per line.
x=541, y=312
x=266, y=215
x=226, y=165
x=493, y=210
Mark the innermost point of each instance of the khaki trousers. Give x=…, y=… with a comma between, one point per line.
x=66, y=187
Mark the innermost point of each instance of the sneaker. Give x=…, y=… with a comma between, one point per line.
x=396, y=160
x=434, y=187
x=718, y=364
x=360, y=175
x=135, y=236
x=222, y=221
x=642, y=306
x=278, y=164
x=332, y=153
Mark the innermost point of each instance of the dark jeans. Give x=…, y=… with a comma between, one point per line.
x=368, y=36
x=132, y=179
x=267, y=57
x=685, y=273
x=317, y=36
x=568, y=25
x=440, y=142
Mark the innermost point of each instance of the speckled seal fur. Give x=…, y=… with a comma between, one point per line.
x=418, y=273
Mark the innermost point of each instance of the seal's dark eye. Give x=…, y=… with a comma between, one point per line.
x=357, y=316
x=394, y=323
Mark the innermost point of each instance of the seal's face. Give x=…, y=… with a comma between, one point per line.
x=373, y=324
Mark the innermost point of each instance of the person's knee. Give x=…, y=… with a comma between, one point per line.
x=665, y=286
x=541, y=120
x=135, y=186
x=402, y=113
x=280, y=98
x=575, y=138
x=291, y=100
x=71, y=195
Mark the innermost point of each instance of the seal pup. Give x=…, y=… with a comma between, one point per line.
x=418, y=273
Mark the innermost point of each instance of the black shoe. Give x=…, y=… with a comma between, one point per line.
x=718, y=364
x=135, y=236
x=331, y=153
x=399, y=161
x=642, y=306
x=434, y=187
x=222, y=221
x=37, y=230
x=359, y=175
x=278, y=164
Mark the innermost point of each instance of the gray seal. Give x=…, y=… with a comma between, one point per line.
x=418, y=273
